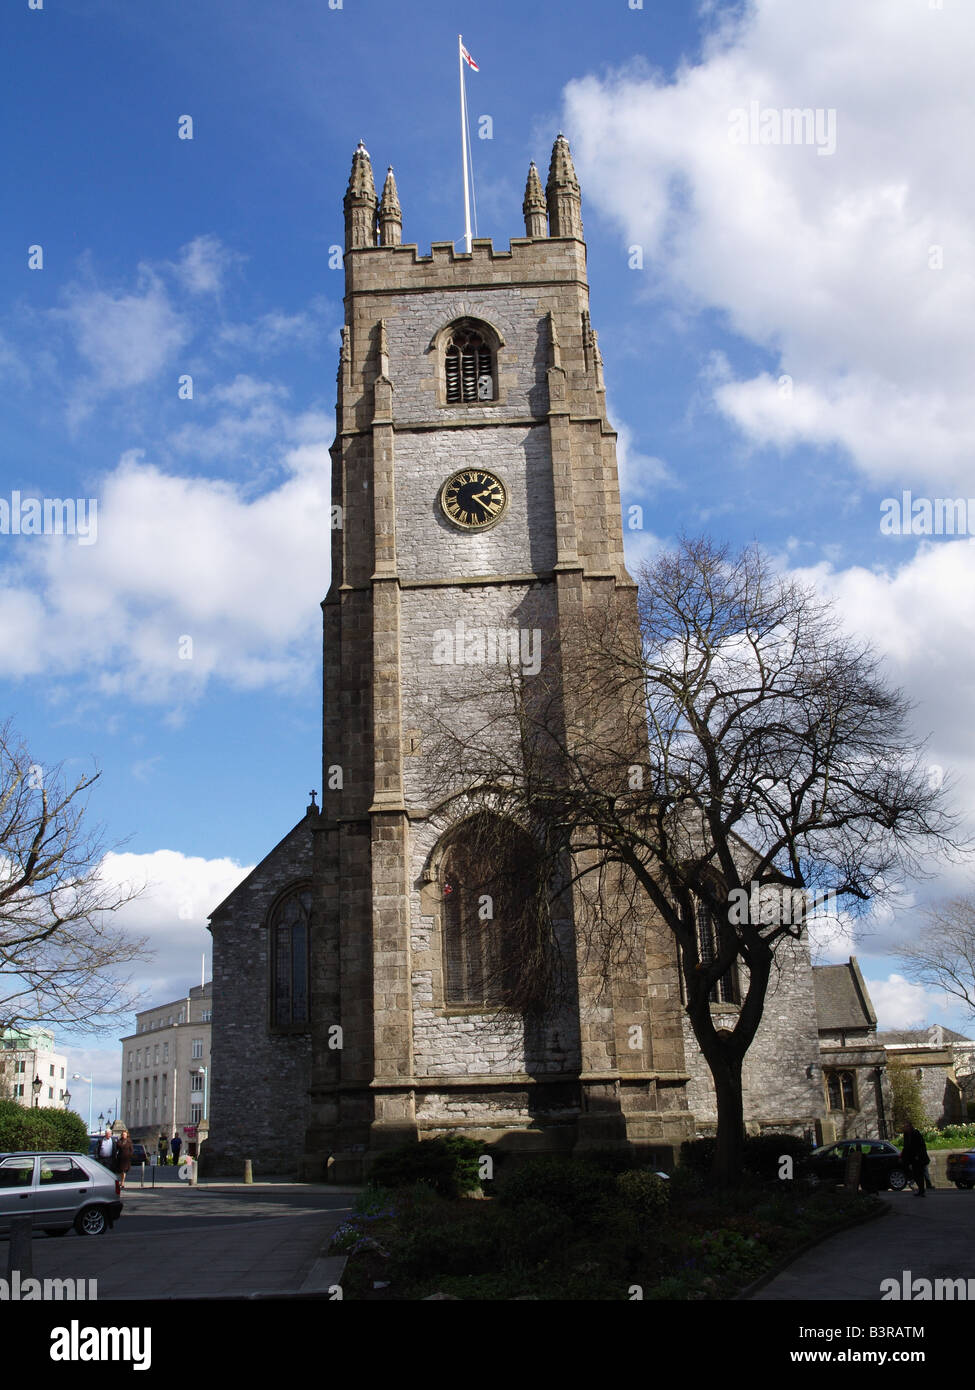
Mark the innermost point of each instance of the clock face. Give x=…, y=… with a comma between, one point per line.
x=474, y=499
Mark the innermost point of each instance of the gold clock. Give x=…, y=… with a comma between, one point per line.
x=474, y=499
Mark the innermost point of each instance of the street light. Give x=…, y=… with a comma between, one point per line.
x=67, y=1100
x=77, y=1076
x=35, y=1086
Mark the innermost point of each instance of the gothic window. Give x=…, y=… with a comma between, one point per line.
x=468, y=364
x=840, y=1090
x=289, y=958
x=488, y=915
x=724, y=990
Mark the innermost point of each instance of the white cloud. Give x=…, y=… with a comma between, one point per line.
x=124, y=338
x=203, y=263
x=180, y=892
x=900, y=1004
x=823, y=261
x=179, y=558
x=268, y=334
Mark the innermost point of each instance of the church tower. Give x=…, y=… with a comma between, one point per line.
x=474, y=489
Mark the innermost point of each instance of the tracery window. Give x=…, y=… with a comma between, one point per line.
x=492, y=915
x=840, y=1090
x=725, y=989
x=289, y=958
x=468, y=364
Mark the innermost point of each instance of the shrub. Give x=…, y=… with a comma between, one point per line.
x=761, y=1154
x=575, y=1187
x=905, y=1088
x=644, y=1194
x=60, y=1130
x=448, y=1165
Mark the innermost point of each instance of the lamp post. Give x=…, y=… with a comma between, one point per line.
x=77, y=1076
x=67, y=1100
x=35, y=1086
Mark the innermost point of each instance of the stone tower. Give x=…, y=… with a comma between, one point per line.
x=474, y=489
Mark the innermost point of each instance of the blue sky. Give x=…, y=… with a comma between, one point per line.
x=786, y=332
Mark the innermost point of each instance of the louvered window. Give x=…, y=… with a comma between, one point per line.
x=725, y=989
x=289, y=960
x=468, y=366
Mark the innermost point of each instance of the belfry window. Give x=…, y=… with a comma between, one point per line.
x=288, y=953
x=725, y=989
x=468, y=365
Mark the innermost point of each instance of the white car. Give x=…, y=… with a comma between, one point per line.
x=58, y=1190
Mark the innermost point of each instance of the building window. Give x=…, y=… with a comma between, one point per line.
x=19, y=1090
x=197, y=1048
x=165, y=1051
x=155, y=1053
x=725, y=989
x=288, y=953
x=50, y=1091
x=840, y=1090
x=129, y=1067
x=468, y=364
x=205, y=1016
x=21, y=1068
x=492, y=915
x=196, y=1113
x=52, y=1068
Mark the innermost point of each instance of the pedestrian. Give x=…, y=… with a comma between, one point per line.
x=176, y=1144
x=107, y=1152
x=915, y=1156
x=124, y=1156
x=163, y=1150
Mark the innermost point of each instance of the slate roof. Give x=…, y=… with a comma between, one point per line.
x=935, y=1036
x=842, y=1001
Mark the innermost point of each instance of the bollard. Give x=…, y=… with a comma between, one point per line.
x=21, y=1253
x=191, y=1178
x=248, y=1171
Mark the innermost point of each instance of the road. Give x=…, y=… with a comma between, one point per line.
x=205, y=1242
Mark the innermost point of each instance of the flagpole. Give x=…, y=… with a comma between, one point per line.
x=463, y=143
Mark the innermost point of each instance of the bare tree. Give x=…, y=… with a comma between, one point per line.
x=942, y=955
x=719, y=756
x=61, y=954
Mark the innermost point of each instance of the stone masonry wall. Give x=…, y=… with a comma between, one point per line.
x=259, y=1096
x=778, y=1094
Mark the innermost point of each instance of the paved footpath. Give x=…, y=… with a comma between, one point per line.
x=221, y=1240
x=933, y=1237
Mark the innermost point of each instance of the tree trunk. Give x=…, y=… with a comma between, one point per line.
x=730, y=1152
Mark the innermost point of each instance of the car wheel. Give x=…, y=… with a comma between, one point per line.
x=91, y=1221
x=898, y=1181
x=61, y=1231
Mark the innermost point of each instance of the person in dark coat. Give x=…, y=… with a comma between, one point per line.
x=915, y=1156
x=163, y=1147
x=124, y=1156
x=176, y=1144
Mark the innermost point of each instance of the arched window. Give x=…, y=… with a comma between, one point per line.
x=493, y=915
x=468, y=364
x=840, y=1090
x=288, y=951
x=725, y=989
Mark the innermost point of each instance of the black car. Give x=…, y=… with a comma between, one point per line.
x=880, y=1165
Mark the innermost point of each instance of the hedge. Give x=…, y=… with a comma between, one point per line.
x=28, y=1128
